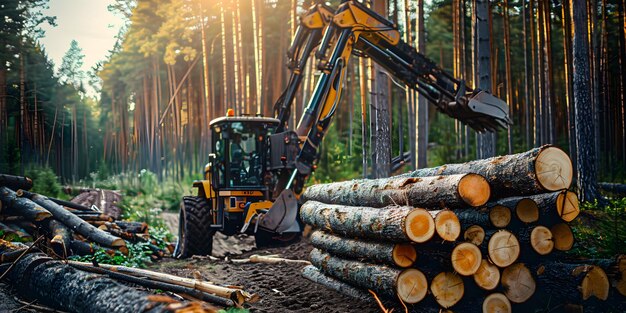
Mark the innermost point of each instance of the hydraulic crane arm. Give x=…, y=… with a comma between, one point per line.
x=307, y=38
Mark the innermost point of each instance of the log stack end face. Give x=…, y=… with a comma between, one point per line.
x=503, y=248
x=419, y=225
x=412, y=286
x=466, y=258
x=474, y=190
x=447, y=288
x=497, y=303
x=595, y=283
x=553, y=168
x=567, y=206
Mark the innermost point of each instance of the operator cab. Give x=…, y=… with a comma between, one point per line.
x=240, y=145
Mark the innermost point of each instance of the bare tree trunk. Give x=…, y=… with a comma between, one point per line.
x=422, y=104
x=486, y=143
x=381, y=115
x=585, y=128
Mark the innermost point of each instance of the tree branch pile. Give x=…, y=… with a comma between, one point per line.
x=64, y=231
x=485, y=235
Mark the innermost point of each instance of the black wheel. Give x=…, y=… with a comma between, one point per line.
x=264, y=239
x=194, y=235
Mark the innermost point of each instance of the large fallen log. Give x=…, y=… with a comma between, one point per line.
x=14, y=205
x=63, y=287
x=399, y=254
x=409, y=285
x=74, y=222
x=313, y=274
x=16, y=182
x=453, y=191
x=542, y=169
x=393, y=223
x=71, y=205
x=237, y=295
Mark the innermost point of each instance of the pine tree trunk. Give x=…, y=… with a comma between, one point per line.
x=585, y=121
x=486, y=142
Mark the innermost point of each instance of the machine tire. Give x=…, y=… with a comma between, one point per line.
x=194, y=235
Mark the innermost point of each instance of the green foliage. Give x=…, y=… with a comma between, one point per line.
x=45, y=181
x=138, y=253
x=600, y=231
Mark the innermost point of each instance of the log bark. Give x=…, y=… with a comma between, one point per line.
x=75, y=223
x=62, y=287
x=617, y=189
x=313, y=274
x=133, y=227
x=394, y=223
x=95, y=217
x=158, y=285
x=454, y=191
x=542, y=169
x=570, y=283
x=402, y=255
x=237, y=295
x=71, y=205
x=484, y=217
x=16, y=182
x=409, y=285
x=14, y=205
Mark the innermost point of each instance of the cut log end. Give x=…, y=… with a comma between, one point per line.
x=474, y=189
x=595, y=284
x=474, y=234
x=541, y=240
x=466, y=258
x=553, y=168
x=404, y=255
x=563, y=237
x=411, y=286
x=500, y=216
x=42, y=215
x=527, y=211
x=420, y=226
x=488, y=276
x=620, y=285
x=447, y=225
x=497, y=303
x=447, y=288
x=567, y=206
x=518, y=283
x=503, y=248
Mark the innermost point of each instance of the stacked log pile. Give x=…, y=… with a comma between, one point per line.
x=487, y=235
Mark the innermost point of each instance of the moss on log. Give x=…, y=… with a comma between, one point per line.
x=409, y=285
x=542, y=169
x=393, y=223
x=453, y=191
x=399, y=254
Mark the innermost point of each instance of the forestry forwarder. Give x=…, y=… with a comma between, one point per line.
x=258, y=166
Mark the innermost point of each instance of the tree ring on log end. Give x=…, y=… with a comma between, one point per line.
x=518, y=283
x=488, y=276
x=563, y=237
x=420, y=226
x=447, y=225
x=567, y=206
x=527, y=210
x=404, y=254
x=497, y=303
x=595, y=283
x=500, y=216
x=474, y=189
x=474, y=234
x=541, y=240
x=411, y=286
x=447, y=288
x=503, y=248
x=466, y=258
x=553, y=168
